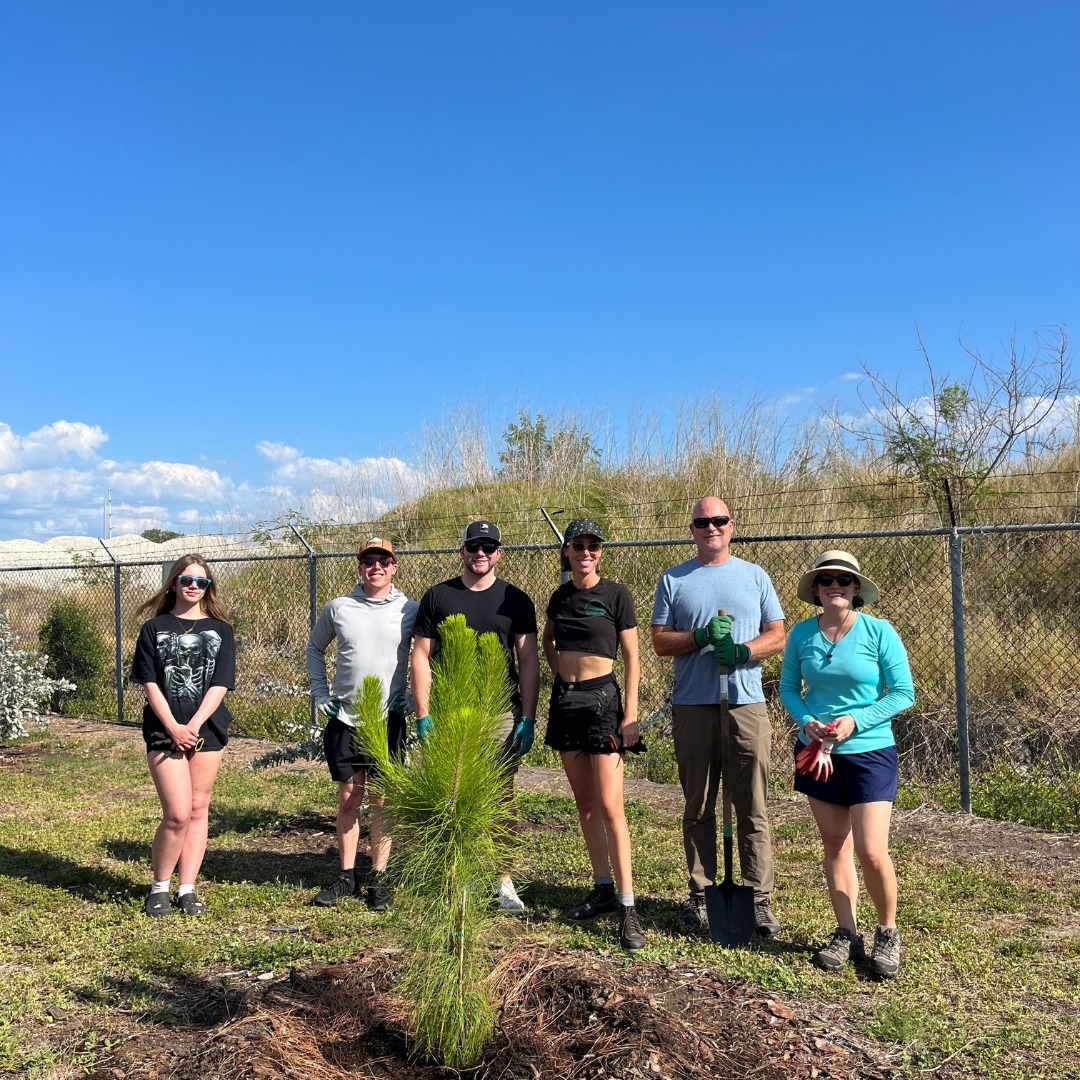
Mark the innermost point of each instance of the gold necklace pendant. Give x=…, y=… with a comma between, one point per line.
x=182, y=626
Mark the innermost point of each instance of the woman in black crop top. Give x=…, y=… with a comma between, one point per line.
x=589, y=619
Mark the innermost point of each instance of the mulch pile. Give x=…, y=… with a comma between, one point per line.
x=564, y=1015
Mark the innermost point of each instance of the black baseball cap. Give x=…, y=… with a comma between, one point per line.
x=481, y=530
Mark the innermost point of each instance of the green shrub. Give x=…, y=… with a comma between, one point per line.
x=77, y=653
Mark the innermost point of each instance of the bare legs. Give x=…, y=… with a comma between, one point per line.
x=597, y=783
x=184, y=785
x=861, y=830
x=350, y=799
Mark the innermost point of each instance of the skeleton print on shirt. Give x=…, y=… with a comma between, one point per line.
x=188, y=661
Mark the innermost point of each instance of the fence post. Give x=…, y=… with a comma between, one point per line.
x=118, y=633
x=313, y=601
x=956, y=573
x=559, y=536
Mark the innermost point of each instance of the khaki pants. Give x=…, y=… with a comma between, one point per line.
x=696, y=733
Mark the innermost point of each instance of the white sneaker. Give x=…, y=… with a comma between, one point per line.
x=507, y=899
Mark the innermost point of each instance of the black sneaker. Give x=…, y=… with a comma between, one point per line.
x=692, y=915
x=158, y=904
x=380, y=893
x=765, y=922
x=631, y=934
x=885, y=955
x=842, y=947
x=343, y=886
x=601, y=901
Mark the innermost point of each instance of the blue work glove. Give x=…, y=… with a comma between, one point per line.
x=729, y=652
x=328, y=706
x=521, y=738
x=719, y=628
x=424, y=726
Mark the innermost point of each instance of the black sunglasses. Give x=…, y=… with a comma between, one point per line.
x=382, y=560
x=580, y=545
x=186, y=580
x=488, y=547
x=843, y=580
x=719, y=521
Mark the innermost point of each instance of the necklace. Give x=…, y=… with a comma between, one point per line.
x=185, y=629
x=832, y=644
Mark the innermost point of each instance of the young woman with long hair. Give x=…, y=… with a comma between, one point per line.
x=589, y=620
x=185, y=660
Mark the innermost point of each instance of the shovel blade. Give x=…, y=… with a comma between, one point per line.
x=730, y=909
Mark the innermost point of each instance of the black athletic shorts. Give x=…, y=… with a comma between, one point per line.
x=212, y=736
x=586, y=716
x=342, y=756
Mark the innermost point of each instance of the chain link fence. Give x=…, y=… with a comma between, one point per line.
x=990, y=617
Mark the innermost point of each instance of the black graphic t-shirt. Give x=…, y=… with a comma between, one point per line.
x=590, y=620
x=185, y=658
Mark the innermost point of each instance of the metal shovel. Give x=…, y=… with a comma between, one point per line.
x=730, y=907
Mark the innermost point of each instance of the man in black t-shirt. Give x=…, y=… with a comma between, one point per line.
x=489, y=606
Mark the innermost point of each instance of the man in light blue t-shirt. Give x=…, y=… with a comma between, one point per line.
x=688, y=598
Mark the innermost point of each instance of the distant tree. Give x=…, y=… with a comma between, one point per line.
x=534, y=446
x=964, y=429
x=159, y=536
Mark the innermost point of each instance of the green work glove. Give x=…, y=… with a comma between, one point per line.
x=424, y=725
x=328, y=706
x=521, y=738
x=729, y=652
x=719, y=627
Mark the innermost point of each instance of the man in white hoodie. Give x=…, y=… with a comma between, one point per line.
x=373, y=627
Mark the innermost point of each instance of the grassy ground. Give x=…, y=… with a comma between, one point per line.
x=990, y=913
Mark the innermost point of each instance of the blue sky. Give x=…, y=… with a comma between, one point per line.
x=248, y=249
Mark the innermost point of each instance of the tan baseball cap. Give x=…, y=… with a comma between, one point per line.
x=376, y=543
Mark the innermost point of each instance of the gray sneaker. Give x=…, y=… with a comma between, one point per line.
x=692, y=916
x=507, y=899
x=885, y=955
x=843, y=946
x=380, y=893
x=766, y=923
x=341, y=887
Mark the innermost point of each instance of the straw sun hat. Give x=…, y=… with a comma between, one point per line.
x=842, y=562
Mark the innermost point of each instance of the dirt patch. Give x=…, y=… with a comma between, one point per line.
x=562, y=1015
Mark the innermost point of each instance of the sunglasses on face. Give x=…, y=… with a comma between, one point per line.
x=186, y=581
x=488, y=547
x=718, y=522
x=843, y=580
x=579, y=545
x=370, y=560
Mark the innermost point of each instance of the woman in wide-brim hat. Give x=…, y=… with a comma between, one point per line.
x=845, y=676
x=590, y=620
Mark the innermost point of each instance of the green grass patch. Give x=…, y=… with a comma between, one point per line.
x=990, y=983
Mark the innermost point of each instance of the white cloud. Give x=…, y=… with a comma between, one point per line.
x=49, y=445
x=52, y=482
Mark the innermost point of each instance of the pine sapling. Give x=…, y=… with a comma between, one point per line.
x=451, y=823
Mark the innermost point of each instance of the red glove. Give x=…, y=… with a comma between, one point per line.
x=816, y=759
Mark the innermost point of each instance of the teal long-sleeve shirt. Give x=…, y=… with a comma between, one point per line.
x=867, y=678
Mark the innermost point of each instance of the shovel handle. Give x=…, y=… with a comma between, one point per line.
x=725, y=760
